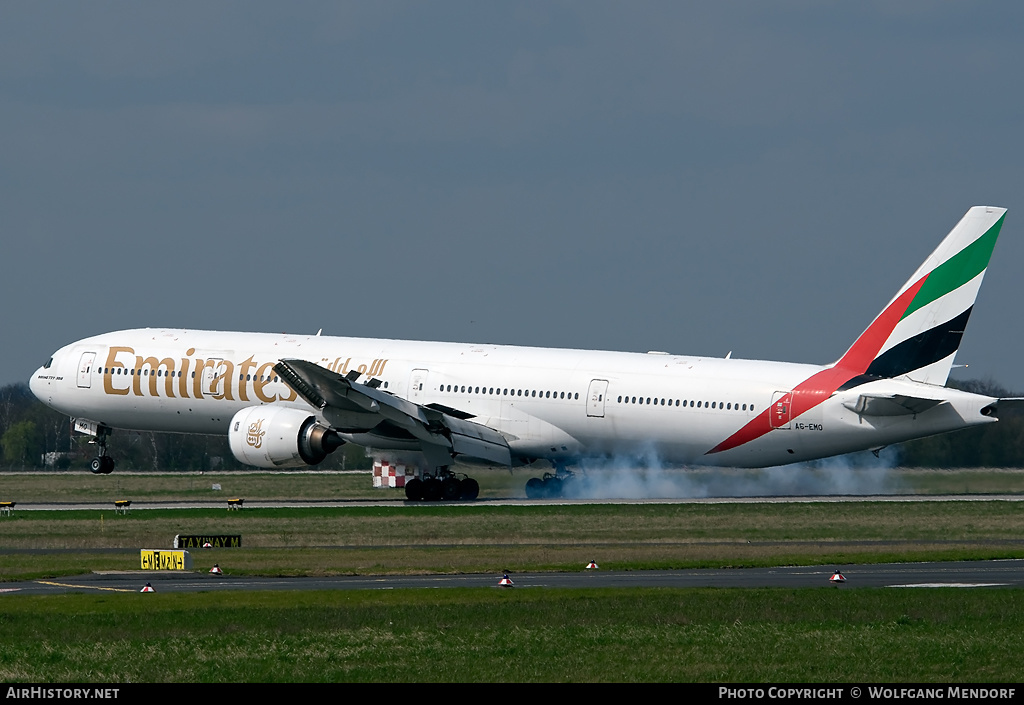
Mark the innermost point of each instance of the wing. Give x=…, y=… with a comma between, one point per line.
x=351, y=407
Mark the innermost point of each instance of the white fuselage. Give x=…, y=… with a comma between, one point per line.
x=549, y=403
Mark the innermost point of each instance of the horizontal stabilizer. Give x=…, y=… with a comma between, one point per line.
x=890, y=405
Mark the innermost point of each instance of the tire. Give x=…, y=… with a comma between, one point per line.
x=535, y=488
x=96, y=466
x=470, y=489
x=414, y=489
x=431, y=489
x=552, y=487
x=450, y=489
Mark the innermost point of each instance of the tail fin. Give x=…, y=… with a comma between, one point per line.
x=917, y=335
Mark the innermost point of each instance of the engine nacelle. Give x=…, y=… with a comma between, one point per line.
x=280, y=437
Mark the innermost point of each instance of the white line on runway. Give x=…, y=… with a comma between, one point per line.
x=953, y=585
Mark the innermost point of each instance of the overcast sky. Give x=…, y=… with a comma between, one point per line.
x=724, y=176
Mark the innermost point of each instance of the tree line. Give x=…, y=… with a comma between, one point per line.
x=32, y=435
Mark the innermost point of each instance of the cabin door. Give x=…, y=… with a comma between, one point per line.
x=214, y=378
x=417, y=385
x=782, y=410
x=596, y=397
x=85, y=370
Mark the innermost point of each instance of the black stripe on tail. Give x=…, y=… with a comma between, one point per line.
x=922, y=350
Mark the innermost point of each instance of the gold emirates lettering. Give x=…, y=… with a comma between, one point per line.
x=213, y=378
x=375, y=369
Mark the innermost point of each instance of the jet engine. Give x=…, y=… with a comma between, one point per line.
x=279, y=436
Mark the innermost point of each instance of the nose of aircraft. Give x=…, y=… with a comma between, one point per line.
x=34, y=384
x=41, y=381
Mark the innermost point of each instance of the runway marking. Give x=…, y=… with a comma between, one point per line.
x=83, y=587
x=9, y=589
x=953, y=585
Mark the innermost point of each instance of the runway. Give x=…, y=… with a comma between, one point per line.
x=516, y=502
x=963, y=574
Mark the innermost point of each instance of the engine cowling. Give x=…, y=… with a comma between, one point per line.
x=280, y=437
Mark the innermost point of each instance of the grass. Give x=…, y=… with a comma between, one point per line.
x=82, y=486
x=489, y=635
x=489, y=538
x=817, y=635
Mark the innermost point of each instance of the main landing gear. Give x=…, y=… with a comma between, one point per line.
x=445, y=486
x=560, y=483
x=102, y=464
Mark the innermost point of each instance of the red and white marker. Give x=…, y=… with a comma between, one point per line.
x=207, y=545
x=216, y=569
x=506, y=581
x=837, y=577
x=592, y=565
x=148, y=588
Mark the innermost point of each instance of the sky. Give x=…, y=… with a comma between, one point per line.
x=698, y=178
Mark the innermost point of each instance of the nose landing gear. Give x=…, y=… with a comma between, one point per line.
x=102, y=464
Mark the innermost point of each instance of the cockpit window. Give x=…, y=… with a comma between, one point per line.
x=48, y=363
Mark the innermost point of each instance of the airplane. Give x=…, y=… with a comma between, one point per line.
x=290, y=400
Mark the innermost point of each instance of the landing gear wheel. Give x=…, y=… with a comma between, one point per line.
x=451, y=489
x=414, y=489
x=445, y=485
x=102, y=465
x=535, y=488
x=552, y=487
x=431, y=489
x=470, y=488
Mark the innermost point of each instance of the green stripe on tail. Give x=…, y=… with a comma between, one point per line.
x=958, y=269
